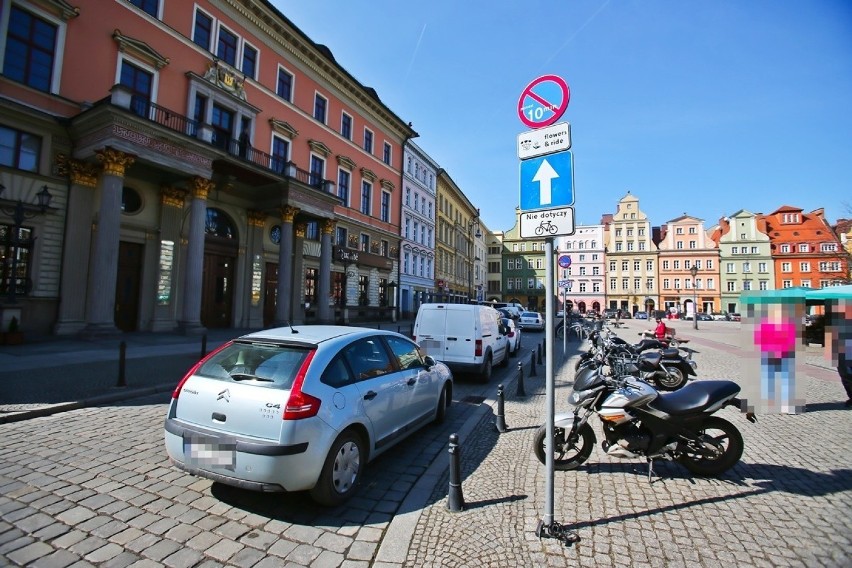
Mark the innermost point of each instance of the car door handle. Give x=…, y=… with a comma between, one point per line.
x=412, y=381
x=370, y=395
x=452, y=339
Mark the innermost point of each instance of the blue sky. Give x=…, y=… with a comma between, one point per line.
x=699, y=107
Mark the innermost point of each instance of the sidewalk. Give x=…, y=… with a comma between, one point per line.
x=52, y=374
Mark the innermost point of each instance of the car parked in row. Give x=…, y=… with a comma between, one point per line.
x=302, y=408
x=513, y=334
x=532, y=320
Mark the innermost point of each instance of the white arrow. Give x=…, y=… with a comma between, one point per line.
x=544, y=176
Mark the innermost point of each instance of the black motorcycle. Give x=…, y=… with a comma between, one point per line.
x=638, y=421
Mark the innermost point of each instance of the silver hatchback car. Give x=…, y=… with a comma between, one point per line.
x=302, y=408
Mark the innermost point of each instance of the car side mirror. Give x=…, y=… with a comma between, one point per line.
x=430, y=361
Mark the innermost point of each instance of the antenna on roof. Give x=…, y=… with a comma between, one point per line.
x=290, y=325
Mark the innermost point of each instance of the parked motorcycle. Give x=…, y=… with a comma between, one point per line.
x=672, y=372
x=638, y=421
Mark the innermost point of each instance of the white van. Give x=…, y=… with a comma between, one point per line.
x=468, y=338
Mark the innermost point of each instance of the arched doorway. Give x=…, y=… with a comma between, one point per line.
x=220, y=259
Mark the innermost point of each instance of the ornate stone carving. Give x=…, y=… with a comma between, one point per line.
x=328, y=227
x=172, y=196
x=388, y=185
x=368, y=174
x=139, y=49
x=283, y=127
x=114, y=161
x=225, y=79
x=346, y=162
x=288, y=213
x=80, y=173
x=319, y=148
x=256, y=218
x=200, y=187
x=301, y=229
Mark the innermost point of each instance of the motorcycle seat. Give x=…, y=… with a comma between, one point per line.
x=670, y=352
x=646, y=344
x=695, y=397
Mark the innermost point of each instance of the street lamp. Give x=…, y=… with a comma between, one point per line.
x=474, y=222
x=19, y=213
x=694, y=271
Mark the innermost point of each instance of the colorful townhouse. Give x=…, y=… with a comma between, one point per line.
x=745, y=257
x=631, y=258
x=459, y=234
x=524, y=270
x=191, y=165
x=584, y=278
x=806, y=251
x=688, y=267
x=494, y=259
x=417, y=252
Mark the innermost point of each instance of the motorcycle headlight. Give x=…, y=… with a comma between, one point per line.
x=575, y=397
x=693, y=364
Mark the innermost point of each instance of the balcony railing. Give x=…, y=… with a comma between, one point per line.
x=239, y=149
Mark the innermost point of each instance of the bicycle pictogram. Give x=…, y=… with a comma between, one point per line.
x=546, y=226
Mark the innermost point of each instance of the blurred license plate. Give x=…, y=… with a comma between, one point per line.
x=204, y=451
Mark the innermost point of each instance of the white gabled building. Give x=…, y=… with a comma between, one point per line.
x=417, y=250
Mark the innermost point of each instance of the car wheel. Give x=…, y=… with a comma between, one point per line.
x=441, y=410
x=485, y=374
x=341, y=471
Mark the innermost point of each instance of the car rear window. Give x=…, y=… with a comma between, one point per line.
x=268, y=365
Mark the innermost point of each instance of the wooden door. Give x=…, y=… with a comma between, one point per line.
x=217, y=290
x=127, y=286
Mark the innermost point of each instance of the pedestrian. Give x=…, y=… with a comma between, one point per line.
x=660, y=330
x=838, y=341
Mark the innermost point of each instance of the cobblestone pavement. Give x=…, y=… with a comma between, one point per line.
x=786, y=503
x=92, y=487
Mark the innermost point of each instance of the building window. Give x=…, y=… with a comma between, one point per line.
x=202, y=31
x=249, y=61
x=20, y=150
x=148, y=6
x=346, y=126
x=312, y=231
x=284, y=88
x=30, y=50
x=320, y=107
x=786, y=267
x=343, y=179
x=280, y=153
x=222, y=121
x=317, y=171
x=365, y=242
x=804, y=267
x=226, y=47
x=368, y=141
x=15, y=249
x=341, y=236
x=386, y=153
x=140, y=83
x=385, y=213
x=366, y=192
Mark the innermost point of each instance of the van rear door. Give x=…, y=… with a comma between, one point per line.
x=430, y=330
x=460, y=342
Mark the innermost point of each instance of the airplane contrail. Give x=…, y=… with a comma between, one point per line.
x=572, y=36
x=414, y=54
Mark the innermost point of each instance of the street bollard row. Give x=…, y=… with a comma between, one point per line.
x=455, y=499
x=500, y=423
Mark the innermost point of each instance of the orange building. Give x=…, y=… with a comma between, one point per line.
x=209, y=166
x=684, y=245
x=805, y=250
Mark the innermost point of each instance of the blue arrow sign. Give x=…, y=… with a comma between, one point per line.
x=547, y=181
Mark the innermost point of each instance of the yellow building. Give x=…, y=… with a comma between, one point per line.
x=457, y=228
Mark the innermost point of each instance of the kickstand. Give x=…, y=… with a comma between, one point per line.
x=650, y=469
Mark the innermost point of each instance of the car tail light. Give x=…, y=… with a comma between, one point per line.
x=478, y=348
x=511, y=334
x=195, y=367
x=301, y=405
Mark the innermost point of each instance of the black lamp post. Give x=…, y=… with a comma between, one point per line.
x=392, y=286
x=694, y=271
x=474, y=222
x=19, y=213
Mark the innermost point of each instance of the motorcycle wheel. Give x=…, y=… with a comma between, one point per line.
x=670, y=380
x=559, y=332
x=566, y=456
x=722, y=432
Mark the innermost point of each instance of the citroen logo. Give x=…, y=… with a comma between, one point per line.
x=224, y=395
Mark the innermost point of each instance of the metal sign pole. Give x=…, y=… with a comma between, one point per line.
x=549, y=386
x=565, y=324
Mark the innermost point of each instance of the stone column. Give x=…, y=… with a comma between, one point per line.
x=83, y=176
x=190, y=322
x=297, y=296
x=100, y=300
x=253, y=315
x=325, y=312
x=172, y=201
x=283, y=307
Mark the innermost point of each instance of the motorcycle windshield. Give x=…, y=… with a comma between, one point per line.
x=587, y=378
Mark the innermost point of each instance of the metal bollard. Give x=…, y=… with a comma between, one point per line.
x=539, y=354
x=543, y=348
x=203, y=346
x=532, y=364
x=455, y=499
x=521, y=391
x=122, y=359
x=500, y=423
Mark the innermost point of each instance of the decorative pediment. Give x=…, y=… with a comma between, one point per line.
x=388, y=185
x=62, y=9
x=139, y=49
x=223, y=77
x=368, y=174
x=319, y=148
x=282, y=127
x=346, y=162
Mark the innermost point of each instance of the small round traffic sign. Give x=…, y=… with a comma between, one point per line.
x=543, y=101
x=564, y=261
